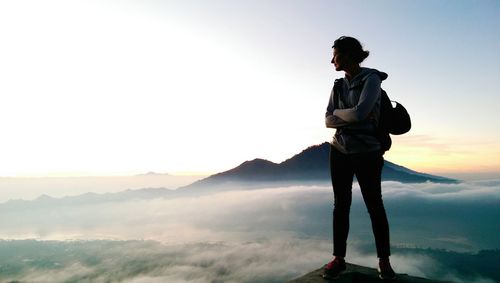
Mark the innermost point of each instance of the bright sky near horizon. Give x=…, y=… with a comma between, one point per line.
x=125, y=87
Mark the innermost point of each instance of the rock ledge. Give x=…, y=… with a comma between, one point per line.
x=359, y=274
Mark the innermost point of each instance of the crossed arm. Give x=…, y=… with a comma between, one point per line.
x=335, y=118
x=332, y=121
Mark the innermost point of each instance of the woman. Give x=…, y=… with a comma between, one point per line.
x=355, y=150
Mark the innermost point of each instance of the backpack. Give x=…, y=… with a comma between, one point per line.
x=392, y=120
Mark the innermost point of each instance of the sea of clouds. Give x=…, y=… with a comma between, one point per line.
x=260, y=235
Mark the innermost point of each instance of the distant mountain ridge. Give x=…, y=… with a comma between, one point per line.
x=311, y=166
x=87, y=198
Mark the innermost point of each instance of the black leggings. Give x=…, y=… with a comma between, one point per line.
x=368, y=170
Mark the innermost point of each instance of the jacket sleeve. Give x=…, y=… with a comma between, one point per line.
x=367, y=99
x=330, y=120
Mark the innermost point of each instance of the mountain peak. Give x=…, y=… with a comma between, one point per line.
x=256, y=161
x=44, y=197
x=310, y=166
x=250, y=167
x=358, y=273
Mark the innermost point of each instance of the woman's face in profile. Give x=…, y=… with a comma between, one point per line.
x=340, y=60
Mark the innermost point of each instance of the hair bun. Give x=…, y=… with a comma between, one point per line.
x=364, y=55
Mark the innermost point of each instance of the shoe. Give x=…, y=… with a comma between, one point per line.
x=385, y=270
x=334, y=268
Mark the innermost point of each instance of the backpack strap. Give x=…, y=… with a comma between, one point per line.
x=337, y=86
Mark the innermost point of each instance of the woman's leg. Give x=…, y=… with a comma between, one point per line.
x=342, y=175
x=368, y=170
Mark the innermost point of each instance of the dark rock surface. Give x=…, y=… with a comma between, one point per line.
x=358, y=274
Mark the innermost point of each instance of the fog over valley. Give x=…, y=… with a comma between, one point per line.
x=259, y=235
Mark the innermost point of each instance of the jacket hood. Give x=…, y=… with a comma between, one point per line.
x=368, y=71
x=365, y=73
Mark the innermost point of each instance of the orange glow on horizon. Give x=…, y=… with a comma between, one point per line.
x=431, y=155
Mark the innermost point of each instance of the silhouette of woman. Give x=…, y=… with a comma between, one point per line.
x=355, y=150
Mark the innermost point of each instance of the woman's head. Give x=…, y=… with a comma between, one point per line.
x=349, y=50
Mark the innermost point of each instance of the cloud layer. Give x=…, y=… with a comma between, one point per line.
x=264, y=260
x=281, y=233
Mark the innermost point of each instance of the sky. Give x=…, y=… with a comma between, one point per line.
x=198, y=87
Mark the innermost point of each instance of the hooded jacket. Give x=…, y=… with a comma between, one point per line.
x=358, y=112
